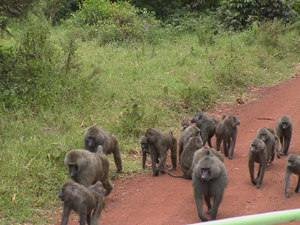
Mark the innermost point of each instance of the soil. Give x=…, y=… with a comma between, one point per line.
x=162, y=200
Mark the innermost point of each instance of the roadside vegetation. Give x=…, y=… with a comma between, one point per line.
x=126, y=66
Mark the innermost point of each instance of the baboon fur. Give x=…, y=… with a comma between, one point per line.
x=257, y=154
x=95, y=136
x=86, y=202
x=209, y=181
x=265, y=135
x=187, y=155
x=145, y=151
x=226, y=131
x=87, y=168
x=185, y=124
x=207, y=125
x=284, y=132
x=185, y=136
x=159, y=143
x=292, y=166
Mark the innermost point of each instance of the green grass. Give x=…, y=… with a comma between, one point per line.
x=135, y=86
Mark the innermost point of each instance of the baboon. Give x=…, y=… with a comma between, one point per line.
x=292, y=166
x=95, y=136
x=185, y=124
x=200, y=153
x=87, y=168
x=276, y=141
x=209, y=181
x=185, y=136
x=159, y=143
x=145, y=150
x=187, y=157
x=265, y=135
x=284, y=133
x=207, y=125
x=227, y=131
x=86, y=202
x=257, y=153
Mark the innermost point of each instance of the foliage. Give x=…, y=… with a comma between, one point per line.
x=238, y=14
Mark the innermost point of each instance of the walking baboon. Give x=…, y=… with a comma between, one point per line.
x=95, y=136
x=207, y=125
x=292, y=166
x=185, y=124
x=187, y=157
x=265, y=135
x=86, y=202
x=159, y=143
x=227, y=131
x=209, y=181
x=145, y=150
x=257, y=153
x=200, y=153
x=87, y=168
x=276, y=141
x=185, y=136
x=284, y=133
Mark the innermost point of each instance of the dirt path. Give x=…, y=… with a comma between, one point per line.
x=163, y=200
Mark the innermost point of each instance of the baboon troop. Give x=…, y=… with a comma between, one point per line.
x=95, y=136
x=185, y=136
x=257, y=154
x=292, y=166
x=209, y=181
x=207, y=125
x=204, y=165
x=159, y=143
x=87, y=168
x=226, y=131
x=186, y=159
x=284, y=133
x=268, y=137
x=86, y=202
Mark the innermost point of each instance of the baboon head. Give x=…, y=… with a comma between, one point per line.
x=292, y=160
x=257, y=145
x=263, y=134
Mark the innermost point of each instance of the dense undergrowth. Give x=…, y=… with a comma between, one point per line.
x=57, y=81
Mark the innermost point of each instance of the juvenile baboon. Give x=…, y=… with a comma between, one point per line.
x=227, y=131
x=276, y=141
x=292, y=166
x=209, y=181
x=145, y=150
x=87, y=168
x=185, y=136
x=86, y=202
x=257, y=153
x=207, y=125
x=185, y=124
x=265, y=135
x=95, y=136
x=202, y=152
x=159, y=143
x=187, y=157
x=284, y=133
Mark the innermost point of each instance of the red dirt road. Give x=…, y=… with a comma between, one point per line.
x=143, y=199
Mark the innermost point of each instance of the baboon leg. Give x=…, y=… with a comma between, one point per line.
x=153, y=159
x=88, y=218
x=207, y=200
x=277, y=147
x=298, y=183
x=215, y=207
x=260, y=175
x=117, y=158
x=218, y=143
x=231, y=148
x=209, y=142
x=66, y=214
x=82, y=216
x=174, y=157
x=251, y=170
x=225, y=148
x=198, y=198
x=144, y=159
x=281, y=142
x=287, y=183
x=287, y=145
x=96, y=215
x=107, y=185
x=162, y=161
